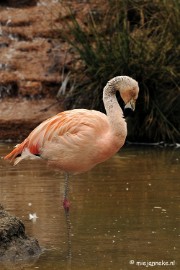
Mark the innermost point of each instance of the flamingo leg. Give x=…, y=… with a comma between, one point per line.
x=69, y=247
x=66, y=203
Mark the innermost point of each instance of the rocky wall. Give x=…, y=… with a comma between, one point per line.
x=34, y=61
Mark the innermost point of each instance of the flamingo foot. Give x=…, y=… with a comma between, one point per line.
x=66, y=205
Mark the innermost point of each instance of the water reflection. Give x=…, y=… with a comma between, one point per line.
x=69, y=236
x=18, y=264
x=124, y=209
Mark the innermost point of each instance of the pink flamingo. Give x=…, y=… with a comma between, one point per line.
x=76, y=140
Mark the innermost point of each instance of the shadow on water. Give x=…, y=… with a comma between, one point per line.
x=124, y=213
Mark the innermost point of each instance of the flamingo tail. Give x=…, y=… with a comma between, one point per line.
x=17, y=154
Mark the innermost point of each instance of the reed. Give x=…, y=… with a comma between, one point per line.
x=139, y=39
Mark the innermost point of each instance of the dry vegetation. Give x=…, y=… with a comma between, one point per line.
x=135, y=38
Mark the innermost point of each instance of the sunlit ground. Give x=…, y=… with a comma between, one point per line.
x=124, y=213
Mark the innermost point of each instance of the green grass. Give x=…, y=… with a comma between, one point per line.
x=139, y=39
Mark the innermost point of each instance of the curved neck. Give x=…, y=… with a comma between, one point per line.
x=114, y=111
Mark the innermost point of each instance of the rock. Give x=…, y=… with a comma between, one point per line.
x=34, y=60
x=30, y=89
x=30, y=50
x=14, y=242
x=20, y=116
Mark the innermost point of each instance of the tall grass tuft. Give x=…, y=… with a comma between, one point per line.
x=139, y=39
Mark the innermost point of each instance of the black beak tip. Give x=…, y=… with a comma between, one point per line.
x=128, y=112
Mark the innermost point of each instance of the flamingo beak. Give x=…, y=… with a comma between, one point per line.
x=131, y=105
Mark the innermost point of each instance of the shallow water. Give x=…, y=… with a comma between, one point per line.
x=124, y=213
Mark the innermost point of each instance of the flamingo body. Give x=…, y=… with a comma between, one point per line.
x=76, y=140
x=73, y=141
